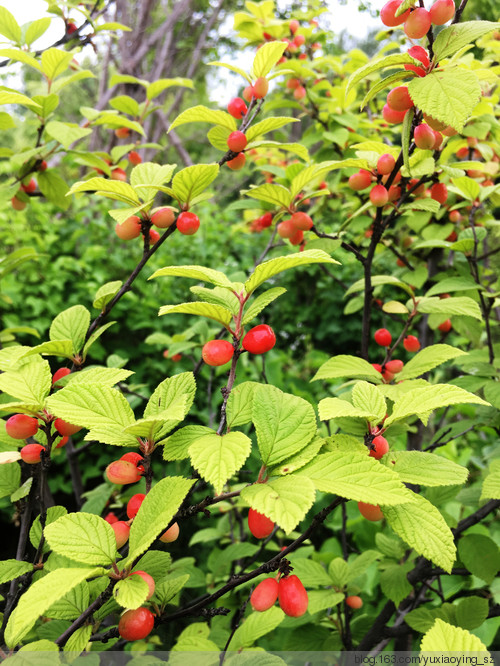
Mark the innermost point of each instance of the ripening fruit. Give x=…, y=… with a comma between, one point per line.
x=445, y=327
x=265, y=594
x=134, y=504
x=419, y=53
x=21, y=426
x=418, y=23
x=122, y=532
x=438, y=140
x=122, y=132
x=297, y=237
x=299, y=93
x=248, y=93
x=266, y=220
x=292, y=596
x=154, y=236
x=388, y=11
x=59, y=374
x=30, y=187
x=411, y=343
x=383, y=337
x=370, y=511
x=136, y=624
x=110, y=518
x=302, y=221
x=171, y=534
x=31, y=453
x=163, y=218
x=379, y=196
x=148, y=579
x=237, y=141
x=391, y=116
x=381, y=447
x=399, y=99
x=237, y=108
x=439, y=192
x=71, y=27
x=354, y=602
x=260, y=87
x=424, y=137
x=259, y=525
x=188, y=223
x=292, y=83
x=134, y=158
x=360, y=180
x=65, y=428
x=129, y=229
x=122, y=472
x=394, y=192
x=118, y=174
x=377, y=367
x=17, y=204
x=294, y=26
x=237, y=162
x=394, y=366
x=442, y=11
x=135, y=458
x=285, y=228
x=455, y=216
x=217, y=352
x=259, y=339
x=62, y=442
x=385, y=164
x=43, y=166
x=299, y=40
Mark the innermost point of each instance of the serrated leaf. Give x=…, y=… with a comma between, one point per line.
x=218, y=457
x=176, y=447
x=295, y=148
x=71, y=324
x=347, y=366
x=255, y=626
x=427, y=359
x=216, y=312
x=261, y=302
x=456, y=305
x=125, y=104
x=377, y=281
x=106, y=293
x=156, y=563
x=301, y=458
x=320, y=600
x=116, y=120
x=78, y=641
x=148, y=176
x=218, y=296
x=453, y=284
x=48, y=104
x=333, y=408
x=369, y=399
x=424, y=529
x=157, y=87
x=31, y=383
x=374, y=65
x=233, y=68
x=454, y=37
x=467, y=187
x=426, y=469
x=284, y=500
x=113, y=188
x=193, y=180
x=394, y=582
x=10, y=478
x=278, y=195
x=19, y=56
x=311, y=573
x=202, y=114
x=266, y=58
x=72, y=604
x=445, y=637
x=338, y=570
x=155, y=427
x=268, y=125
x=170, y=587
x=284, y=423
x=491, y=484
x=472, y=612
x=131, y=592
x=94, y=337
x=196, y=273
x=10, y=569
x=480, y=555
x=422, y=619
x=169, y=391
x=66, y=133
x=55, y=62
x=83, y=537
x=240, y=403
x=355, y=475
x=272, y=267
x=9, y=27
x=35, y=30
x=53, y=188
x=155, y=513
x=53, y=514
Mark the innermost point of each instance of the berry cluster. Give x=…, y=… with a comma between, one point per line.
x=289, y=591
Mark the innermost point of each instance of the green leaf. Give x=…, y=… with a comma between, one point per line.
x=72, y=604
x=374, y=65
x=53, y=188
x=273, y=194
x=55, y=62
x=369, y=399
x=71, y=324
x=445, y=637
x=9, y=27
x=359, y=565
x=10, y=478
x=240, y=403
x=255, y=626
x=168, y=392
x=480, y=555
x=115, y=120
x=355, y=475
x=491, y=484
x=347, y=366
x=333, y=408
x=284, y=500
x=426, y=469
x=155, y=428
x=125, y=104
x=422, y=619
x=261, y=302
x=6, y=121
x=338, y=570
x=454, y=37
x=66, y=133
x=295, y=148
x=266, y=57
x=131, y=592
x=53, y=514
x=427, y=359
x=157, y=87
x=377, y=281
x=218, y=457
x=83, y=537
x=320, y=600
x=39, y=598
x=176, y=447
x=106, y=293
x=10, y=569
x=193, y=180
x=56, y=348
x=156, y=563
x=394, y=582
x=155, y=513
x=113, y=189
x=447, y=95
x=422, y=401
x=216, y=312
x=272, y=267
x=268, y=125
x=217, y=296
x=472, y=612
x=453, y=284
x=48, y=104
x=424, y=529
x=301, y=458
x=284, y=423
x=458, y=305
x=467, y=187
x=170, y=587
x=78, y=641
x=199, y=273
x=19, y=56
x=35, y=29
x=31, y=383
x=202, y=114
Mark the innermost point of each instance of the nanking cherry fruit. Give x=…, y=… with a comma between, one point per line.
x=259, y=525
x=391, y=116
x=134, y=504
x=237, y=162
x=370, y=511
x=302, y=221
x=411, y=343
x=136, y=624
x=381, y=447
x=147, y=579
x=122, y=472
x=379, y=196
x=134, y=158
x=171, y=534
x=424, y=137
x=259, y=339
x=385, y=164
x=360, y=180
x=237, y=141
x=418, y=23
x=122, y=532
x=442, y=11
x=399, y=99
x=383, y=337
x=217, y=352
x=394, y=366
x=59, y=374
x=163, y=218
x=265, y=594
x=260, y=87
x=21, y=426
x=31, y=453
x=237, y=108
x=64, y=428
x=129, y=229
x=354, y=602
x=134, y=458
x=439, y=192
x=188, y=223
x=388, y=11
x=445, y=327
x=292, y=596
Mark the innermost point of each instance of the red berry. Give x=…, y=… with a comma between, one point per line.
x=286, y=228
x=455, y=216
x=154, y=236
x=439, y=192
x=135, y=458
x=122, y=132
x=122, y=531
x=259, y=525
x=411, y=343
x=399, y=99
x=237, y=108
x=391, y=116
x=134, y=158
x=248, y=93
x=118, y=174
x=17, y=204
x=394, y=366
x=354, y=602
x=134, y=504
x=383, y=337
x=291, y=84
x=31, y=453
x=188, y=223
x=299, y=40
x=30, y=187
x=129, y=229
x=62, y=442
x=418, y=23
x=71, y=27
x=394, y=192
x=136, y=624
x=379, y=196
x=381, y=447
x=294, y=26
x=21, y=426
x=65, y=428
x=297, y=237
x=42, y=166
x=217, y=352
x=445, y=327
x=370, y=511
x=171, y=534
x=292, y=596
x=419, y=53
x=388, y=11
x=299, y=93
x=163, y=218
x=59, y=374
x=122, y=472
x=259, y=339
x=237, y=162
x=302, y=221
x=237, y=141
x=385, y=164
x=424, y=137
x=438, y=140
x=148, y=579
x=377, y=367
x=442, y=11
x=260, y=87
x=110, y=518
x=266, y=220
x=360, y=180
x=265, y=594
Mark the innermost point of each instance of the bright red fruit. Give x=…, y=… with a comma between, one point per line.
x=455, y=216
x=237, y=162
x=134, y=158
x=385, y=164
x=294, y=26
x=118, y=174
x=399, y=99
x=237, y=108
x=148, y=579
x=381, y=447
x=260, y=87
x=302, y=221
x=21, y=426
x=122, y=132
x=411, y=343
x=360, y=180
x=297, y=237
x=171, y=534
x=129, y=229
x=237, y=141
x=299, y=93
x=419, y=53
x=17, y=204
x=136, y=624
x=65, y=428
x=265, y=594
x=445, y=327
x=59, y=374
x=418, y=23
x=154, y=236
x=248, y=93
x=122, y=472
x=111, y=518
x=442, y=11
x=122, y=531
x=377, y=367
x=394, y=192
x=379, y=196
x=383, y=337
x=354, y=602
x=391, y=116
x=259, y=525
x=439, y=192
x=188, y=223
x=394, y=366
x=62, y=442
x=135, y=458
x=292, y=596
x=30, y=187
x=163, y=218
x=299, y=40
x=266, y=220
x=31, y=453
x=217, y=352
x=370, y=511
x=71, y=27
x=259, y=339
x=134, y=504
x=388, y=11
x=424, y=137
